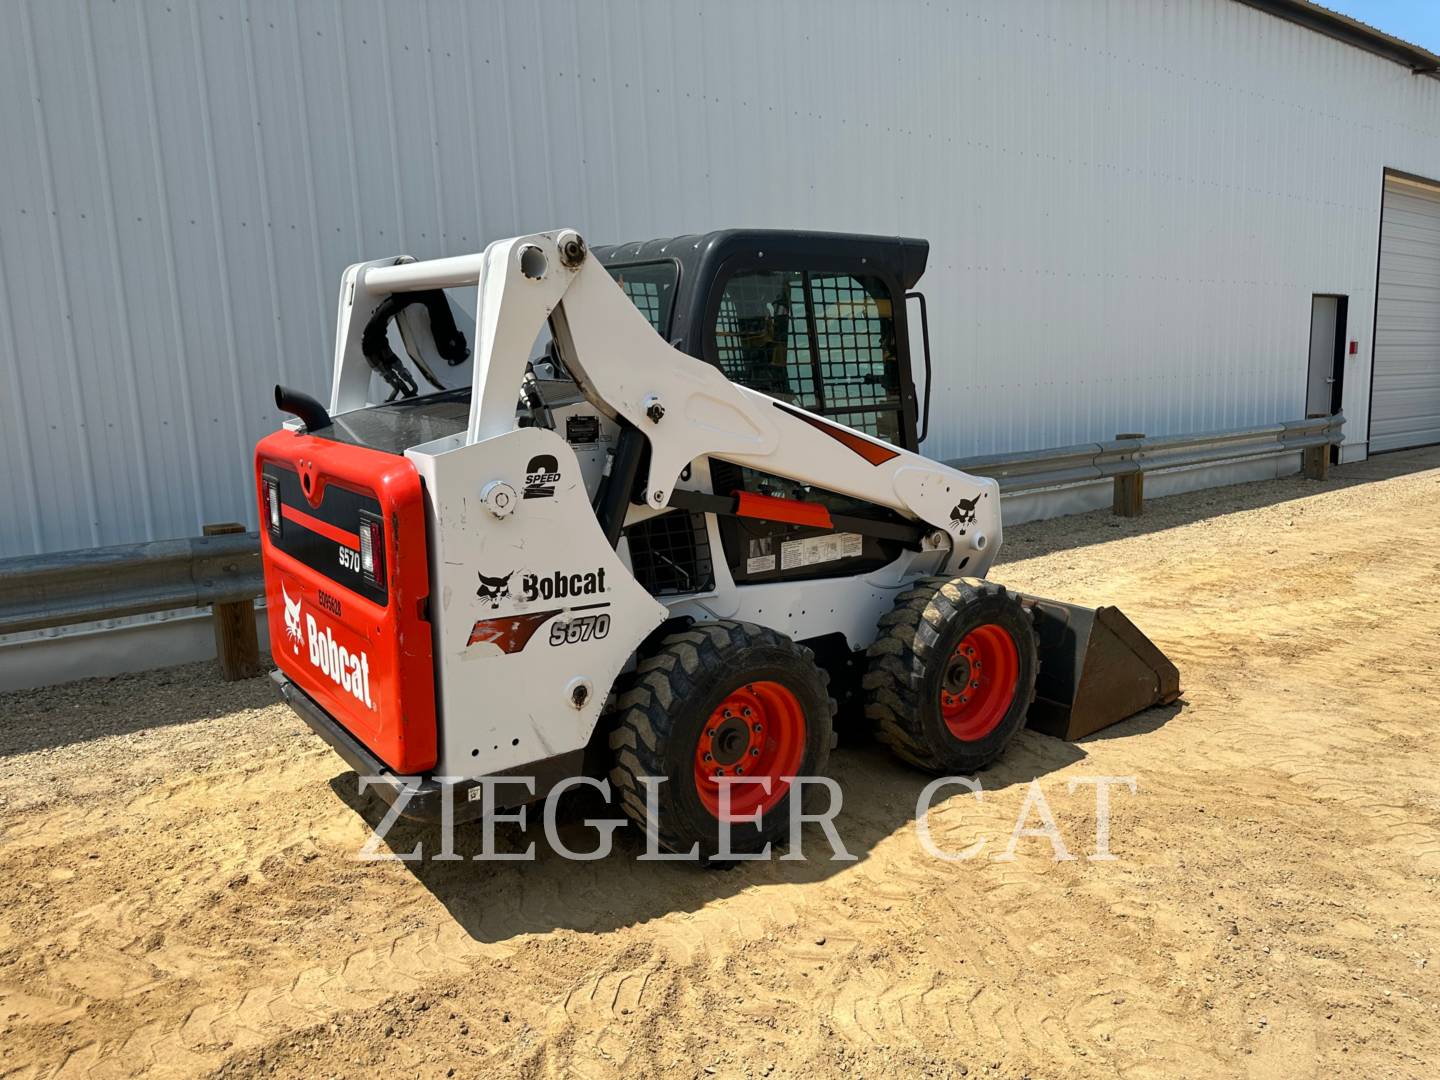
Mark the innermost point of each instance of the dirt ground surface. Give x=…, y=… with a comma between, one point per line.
x=178, y=892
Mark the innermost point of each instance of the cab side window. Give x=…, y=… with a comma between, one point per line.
x=823, y=341
x=651, y=288
x=762, y=336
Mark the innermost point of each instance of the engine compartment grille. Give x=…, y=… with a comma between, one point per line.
x=670, y=554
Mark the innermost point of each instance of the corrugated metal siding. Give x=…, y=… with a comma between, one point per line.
x=1406, y=392
x=1130, y=201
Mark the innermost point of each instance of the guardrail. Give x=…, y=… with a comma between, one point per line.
x=222, y=569
x=1127, y=458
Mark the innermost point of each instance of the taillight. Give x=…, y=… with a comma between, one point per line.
x=272, y=505
x=372, y=548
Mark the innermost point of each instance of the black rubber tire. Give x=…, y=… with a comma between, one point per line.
x=906, y=666
x=664, y=705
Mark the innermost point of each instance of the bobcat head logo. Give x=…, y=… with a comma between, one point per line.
x=494, y=589
x=963, y=514
x=292, y=620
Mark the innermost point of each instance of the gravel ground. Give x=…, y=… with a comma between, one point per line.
x=178, y=892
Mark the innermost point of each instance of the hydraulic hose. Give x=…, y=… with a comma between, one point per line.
x=450, y=343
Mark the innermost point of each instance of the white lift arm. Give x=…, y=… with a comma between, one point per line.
x=686, y=408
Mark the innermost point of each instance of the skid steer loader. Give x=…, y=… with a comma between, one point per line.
x=653, y=513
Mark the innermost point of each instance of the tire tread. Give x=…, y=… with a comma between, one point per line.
x=898, y=657
x=662, y=682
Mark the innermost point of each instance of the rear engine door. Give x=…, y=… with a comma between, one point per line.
x=347, y=585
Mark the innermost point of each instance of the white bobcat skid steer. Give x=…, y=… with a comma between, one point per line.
x=704, y=522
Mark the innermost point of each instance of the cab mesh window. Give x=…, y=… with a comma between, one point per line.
x=762, y=336
x=825, y=342
x=651, y=288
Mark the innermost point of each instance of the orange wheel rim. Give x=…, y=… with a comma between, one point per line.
x=756, y=733
x=979, y=683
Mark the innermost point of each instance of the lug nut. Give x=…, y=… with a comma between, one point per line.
x=745, y=711
x=974, y=685
x=740, y=770
x=758, y=729
x=708, y=756
x=754, y=751
x=710, y=734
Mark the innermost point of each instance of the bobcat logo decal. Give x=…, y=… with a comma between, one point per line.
x=292, y=620
x=494, y=589
x=963, y=514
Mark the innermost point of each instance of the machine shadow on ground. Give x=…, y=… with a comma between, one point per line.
x=880, y=797
x=1142, y=723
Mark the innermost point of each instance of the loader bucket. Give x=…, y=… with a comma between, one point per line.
x=1096, y=668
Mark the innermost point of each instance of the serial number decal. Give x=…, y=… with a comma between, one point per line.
x=582, y=429
x=581, y=628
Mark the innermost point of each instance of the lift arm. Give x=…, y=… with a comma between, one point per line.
x=687, y=409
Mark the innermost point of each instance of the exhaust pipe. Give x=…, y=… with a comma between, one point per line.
x=311, y=413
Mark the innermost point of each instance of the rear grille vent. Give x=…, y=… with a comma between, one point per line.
x=671, y=554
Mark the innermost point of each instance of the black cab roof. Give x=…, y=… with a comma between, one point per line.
x=901, y=257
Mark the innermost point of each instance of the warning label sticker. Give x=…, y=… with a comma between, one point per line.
x=820, y=549
x=761, y=558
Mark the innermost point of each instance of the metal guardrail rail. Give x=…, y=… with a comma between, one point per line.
x=224, y=571
x=68, y=587
x=1035, y=470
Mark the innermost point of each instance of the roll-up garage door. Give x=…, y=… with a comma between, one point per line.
x=1405, y=387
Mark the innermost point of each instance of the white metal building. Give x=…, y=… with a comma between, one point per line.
x=1133, y=205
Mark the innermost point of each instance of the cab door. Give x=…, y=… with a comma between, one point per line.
x=828, y=336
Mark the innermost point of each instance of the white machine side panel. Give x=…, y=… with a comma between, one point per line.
x=506, y=587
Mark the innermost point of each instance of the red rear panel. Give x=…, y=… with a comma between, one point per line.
x=360, y=647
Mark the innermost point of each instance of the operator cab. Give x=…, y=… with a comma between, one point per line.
x=816, y=319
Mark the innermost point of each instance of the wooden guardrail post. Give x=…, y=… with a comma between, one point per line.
x=236, y=645
x=1129, y=487
x=1316, y=459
